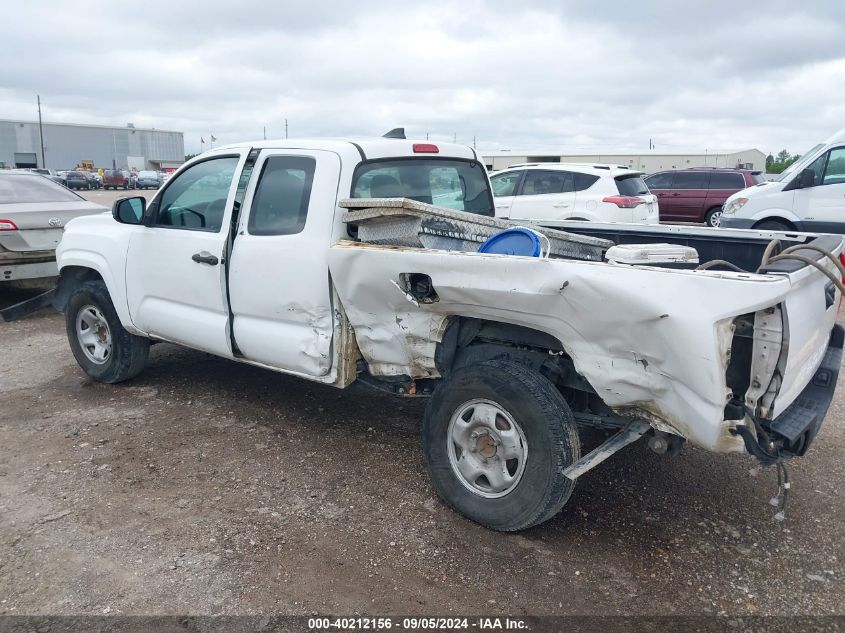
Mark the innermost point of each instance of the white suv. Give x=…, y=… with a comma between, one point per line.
x=569, y=191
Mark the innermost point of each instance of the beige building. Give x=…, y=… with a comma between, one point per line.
x=648, y=162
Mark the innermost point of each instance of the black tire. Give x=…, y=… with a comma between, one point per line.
x=773, y=225
x=549, y=432
x=129, y=353
x=125, y=186
x=714, y=214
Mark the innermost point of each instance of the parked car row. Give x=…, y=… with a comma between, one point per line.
x=616, y=193
x=809, y=196
x=111, y=178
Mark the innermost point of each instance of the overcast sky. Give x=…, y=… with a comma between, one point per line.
x=533, y=74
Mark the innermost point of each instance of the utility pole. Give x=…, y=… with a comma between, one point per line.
x=473, y=142
x=286, y=128
x=41, y=133
x=454, y=137
x=265, y=132
x=426, y=136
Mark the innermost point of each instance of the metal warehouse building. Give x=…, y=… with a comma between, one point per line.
x=649, y=162
x=68, y=145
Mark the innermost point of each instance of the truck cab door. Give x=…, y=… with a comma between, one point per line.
x=175, y=272
x=279, y=287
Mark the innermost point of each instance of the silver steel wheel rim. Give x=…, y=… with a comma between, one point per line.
x=93, y=334
x=487, y=448
x=716, y=218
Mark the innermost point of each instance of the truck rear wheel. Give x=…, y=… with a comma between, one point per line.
x=100, y=344
x=497, y=437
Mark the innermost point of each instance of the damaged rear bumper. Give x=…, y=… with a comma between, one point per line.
x=795, y=428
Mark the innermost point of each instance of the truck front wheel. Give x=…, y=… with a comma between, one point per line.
x=100, y=344
x=497, y=437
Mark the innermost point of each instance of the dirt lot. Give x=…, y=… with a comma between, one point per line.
x=207, y=487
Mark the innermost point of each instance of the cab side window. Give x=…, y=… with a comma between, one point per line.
x=196, y=198
x=280, y=204
x=834, y=173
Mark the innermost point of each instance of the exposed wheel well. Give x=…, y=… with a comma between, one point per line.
x=468, y=341
x=69, y=278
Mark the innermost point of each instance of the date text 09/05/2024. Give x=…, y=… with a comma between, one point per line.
x=416, y=623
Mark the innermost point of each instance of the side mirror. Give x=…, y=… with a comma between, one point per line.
x=129, y=210
x=807, y=178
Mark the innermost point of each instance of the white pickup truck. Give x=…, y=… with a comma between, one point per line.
x=259, y=253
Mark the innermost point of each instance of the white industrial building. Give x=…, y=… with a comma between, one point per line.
x=648, y=162
x=68, y=145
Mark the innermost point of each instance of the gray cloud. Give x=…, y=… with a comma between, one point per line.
x=542, y=74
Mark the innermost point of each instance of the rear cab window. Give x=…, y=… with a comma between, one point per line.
x=632, y=185
x=456, y=184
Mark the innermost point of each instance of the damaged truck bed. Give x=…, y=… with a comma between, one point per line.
x=358, y=260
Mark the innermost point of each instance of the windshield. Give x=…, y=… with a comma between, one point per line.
x=799, y=164
x=147, y=174
x=454, y=184
x=25, y=188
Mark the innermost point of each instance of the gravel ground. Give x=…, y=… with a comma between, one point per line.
x=209, y=487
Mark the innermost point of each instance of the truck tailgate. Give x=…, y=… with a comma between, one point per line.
x=810, y=311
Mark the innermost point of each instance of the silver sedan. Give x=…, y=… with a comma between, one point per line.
x=33, y=213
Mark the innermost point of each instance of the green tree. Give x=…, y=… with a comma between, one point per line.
x=775, y=165
x=189, y=157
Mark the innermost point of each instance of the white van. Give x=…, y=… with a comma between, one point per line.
x=808, y=196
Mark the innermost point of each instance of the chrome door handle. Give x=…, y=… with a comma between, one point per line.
x=560, y=204
x=205, y=257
